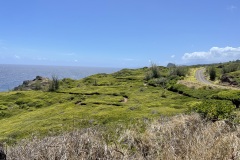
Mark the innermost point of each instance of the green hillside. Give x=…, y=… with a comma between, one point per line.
x=109, y=100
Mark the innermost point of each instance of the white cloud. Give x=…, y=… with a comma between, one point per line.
x=172, y=56
x=215, y=54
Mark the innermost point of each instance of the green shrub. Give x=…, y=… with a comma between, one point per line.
x=36, y=103
x=230, y=68
x=180, y=71
x=201, y=93
x=158, y=82
x=54, y=85
x=212, y=73
x=148, y=76
x=232, y=95
x=154, y=72
x=215, y=110
x=3, y=107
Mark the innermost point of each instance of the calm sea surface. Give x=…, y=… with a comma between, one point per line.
x=13, y=75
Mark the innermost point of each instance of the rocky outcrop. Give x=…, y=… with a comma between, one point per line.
x=228, y=79
x=39, y=83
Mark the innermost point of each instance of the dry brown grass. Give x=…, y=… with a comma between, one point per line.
x=178, y=137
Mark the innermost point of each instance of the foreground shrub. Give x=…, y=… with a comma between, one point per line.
x=179, y=137
x=215, y=110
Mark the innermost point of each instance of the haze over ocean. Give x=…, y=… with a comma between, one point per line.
x=13, y=75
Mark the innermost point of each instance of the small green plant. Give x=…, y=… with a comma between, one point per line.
x=54, y=85
x=95, y=82
x=163, y=94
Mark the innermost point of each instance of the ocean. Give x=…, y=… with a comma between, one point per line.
x=13, y=75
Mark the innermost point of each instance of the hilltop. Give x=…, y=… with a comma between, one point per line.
x=113, y=102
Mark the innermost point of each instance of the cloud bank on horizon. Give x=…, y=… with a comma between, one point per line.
x=215, y=54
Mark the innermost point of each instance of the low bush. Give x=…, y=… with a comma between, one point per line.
x=180, y=71
x=230, y=68
x=54, y=85
x=215, y=110
x=158, y=82
x=201, y=93
x=154, y=72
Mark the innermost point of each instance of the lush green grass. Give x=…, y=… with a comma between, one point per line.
x=100, y=99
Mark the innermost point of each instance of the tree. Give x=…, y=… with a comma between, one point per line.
x=212, y=73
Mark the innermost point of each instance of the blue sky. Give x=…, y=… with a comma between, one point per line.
x=119, y=33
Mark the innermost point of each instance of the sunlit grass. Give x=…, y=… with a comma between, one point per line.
x=101, y=99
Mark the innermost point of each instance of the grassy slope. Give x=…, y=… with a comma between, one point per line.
x=95, y=100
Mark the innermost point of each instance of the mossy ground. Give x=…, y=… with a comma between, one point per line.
x=102, y=99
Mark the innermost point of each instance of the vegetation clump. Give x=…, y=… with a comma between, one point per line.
x=54, y=85
x=180, y=71
x=212, y=73
x=215, y=110
x=233, y=96
x=232, y=67
x=154, y=72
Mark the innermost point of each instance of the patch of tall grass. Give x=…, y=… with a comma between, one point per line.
x=178, y=137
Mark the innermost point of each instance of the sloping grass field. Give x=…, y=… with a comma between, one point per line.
x=102, y=99
x=121, y=116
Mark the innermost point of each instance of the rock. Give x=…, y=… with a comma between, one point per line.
x=169, y=65
x=228, y=79
x=26, y=82
x=39, y=83
x=38, y=78
x=234, y=83
x=2, y=154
